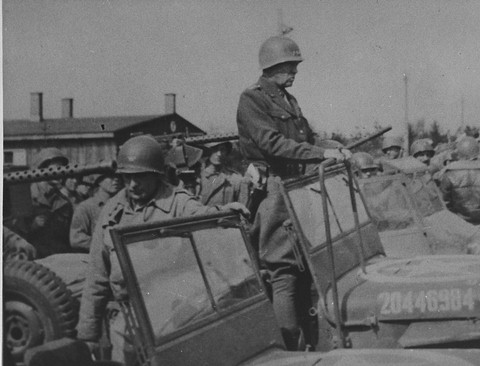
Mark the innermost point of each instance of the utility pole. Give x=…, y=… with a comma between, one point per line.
x=462, y=113
x=406, y=143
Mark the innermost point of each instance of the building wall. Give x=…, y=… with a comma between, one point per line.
x=81, y=151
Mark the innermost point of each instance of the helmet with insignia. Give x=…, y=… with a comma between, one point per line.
x=277, y=50
x=140, y=154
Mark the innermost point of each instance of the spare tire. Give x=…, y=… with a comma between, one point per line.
x=38, y=307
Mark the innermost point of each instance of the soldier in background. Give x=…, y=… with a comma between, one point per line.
x=422, y=150
x=460, y=183
x=365, y=165
x=16, y=247
x=184, y=166
x=50, y=223
x=147, y=197
x=392, y=147
x=275, y=138
x=69, y=190
x=444, y=155
x=220, y=185
x=86, y=214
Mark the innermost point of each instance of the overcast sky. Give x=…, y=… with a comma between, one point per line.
x=119, y=58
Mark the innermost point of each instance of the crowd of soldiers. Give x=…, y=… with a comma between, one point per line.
x=454, y=167
x=66, y=211
x=152, y=184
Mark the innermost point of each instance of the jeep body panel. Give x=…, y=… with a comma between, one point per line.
x=421, y=288
x=374, y=299
x=370, y=357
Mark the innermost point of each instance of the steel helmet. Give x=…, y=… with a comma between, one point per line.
x=392, y=141
x=141, y=154
x=46, y=156
x=363, y=160
x=278, y=49
x=183, y=156
x=468, y=148
x=422, y=145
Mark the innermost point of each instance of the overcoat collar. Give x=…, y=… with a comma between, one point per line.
x=277, y=95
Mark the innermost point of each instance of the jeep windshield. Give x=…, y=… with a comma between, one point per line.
x=388, y=199
x=197, y=276
x=305, y=200
x=186, y=276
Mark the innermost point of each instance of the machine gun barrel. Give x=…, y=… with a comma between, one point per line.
x=51, y=173
x=368, y=138
x=211, y=138
x=199, y=139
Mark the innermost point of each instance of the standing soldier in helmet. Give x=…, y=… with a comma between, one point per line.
x=146, y=197
x=460, y=183
x=220, y=185
x=422, y=150
x=50, y=225
x=184, y=166
x=277, y=140
x=86, y=214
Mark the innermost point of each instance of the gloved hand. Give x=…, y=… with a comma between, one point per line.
x=237, y=207
x=340, y=155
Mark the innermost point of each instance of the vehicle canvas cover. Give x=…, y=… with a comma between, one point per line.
x=386, y=289
x=412, y=218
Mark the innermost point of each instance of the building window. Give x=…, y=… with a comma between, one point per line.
x=15, y=157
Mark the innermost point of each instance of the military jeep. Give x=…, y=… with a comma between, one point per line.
x=410, y=213
x=365, y=298
x=195, y=295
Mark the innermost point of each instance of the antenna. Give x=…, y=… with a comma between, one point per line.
x=282, y=28
x=406, y=143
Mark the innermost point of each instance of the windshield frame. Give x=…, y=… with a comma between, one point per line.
x=141, y=326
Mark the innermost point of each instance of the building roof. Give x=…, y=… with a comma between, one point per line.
x=62, y=128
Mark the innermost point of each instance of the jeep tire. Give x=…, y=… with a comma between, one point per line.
x=38, y=307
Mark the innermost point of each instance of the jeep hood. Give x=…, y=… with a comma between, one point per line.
x=426, y=288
